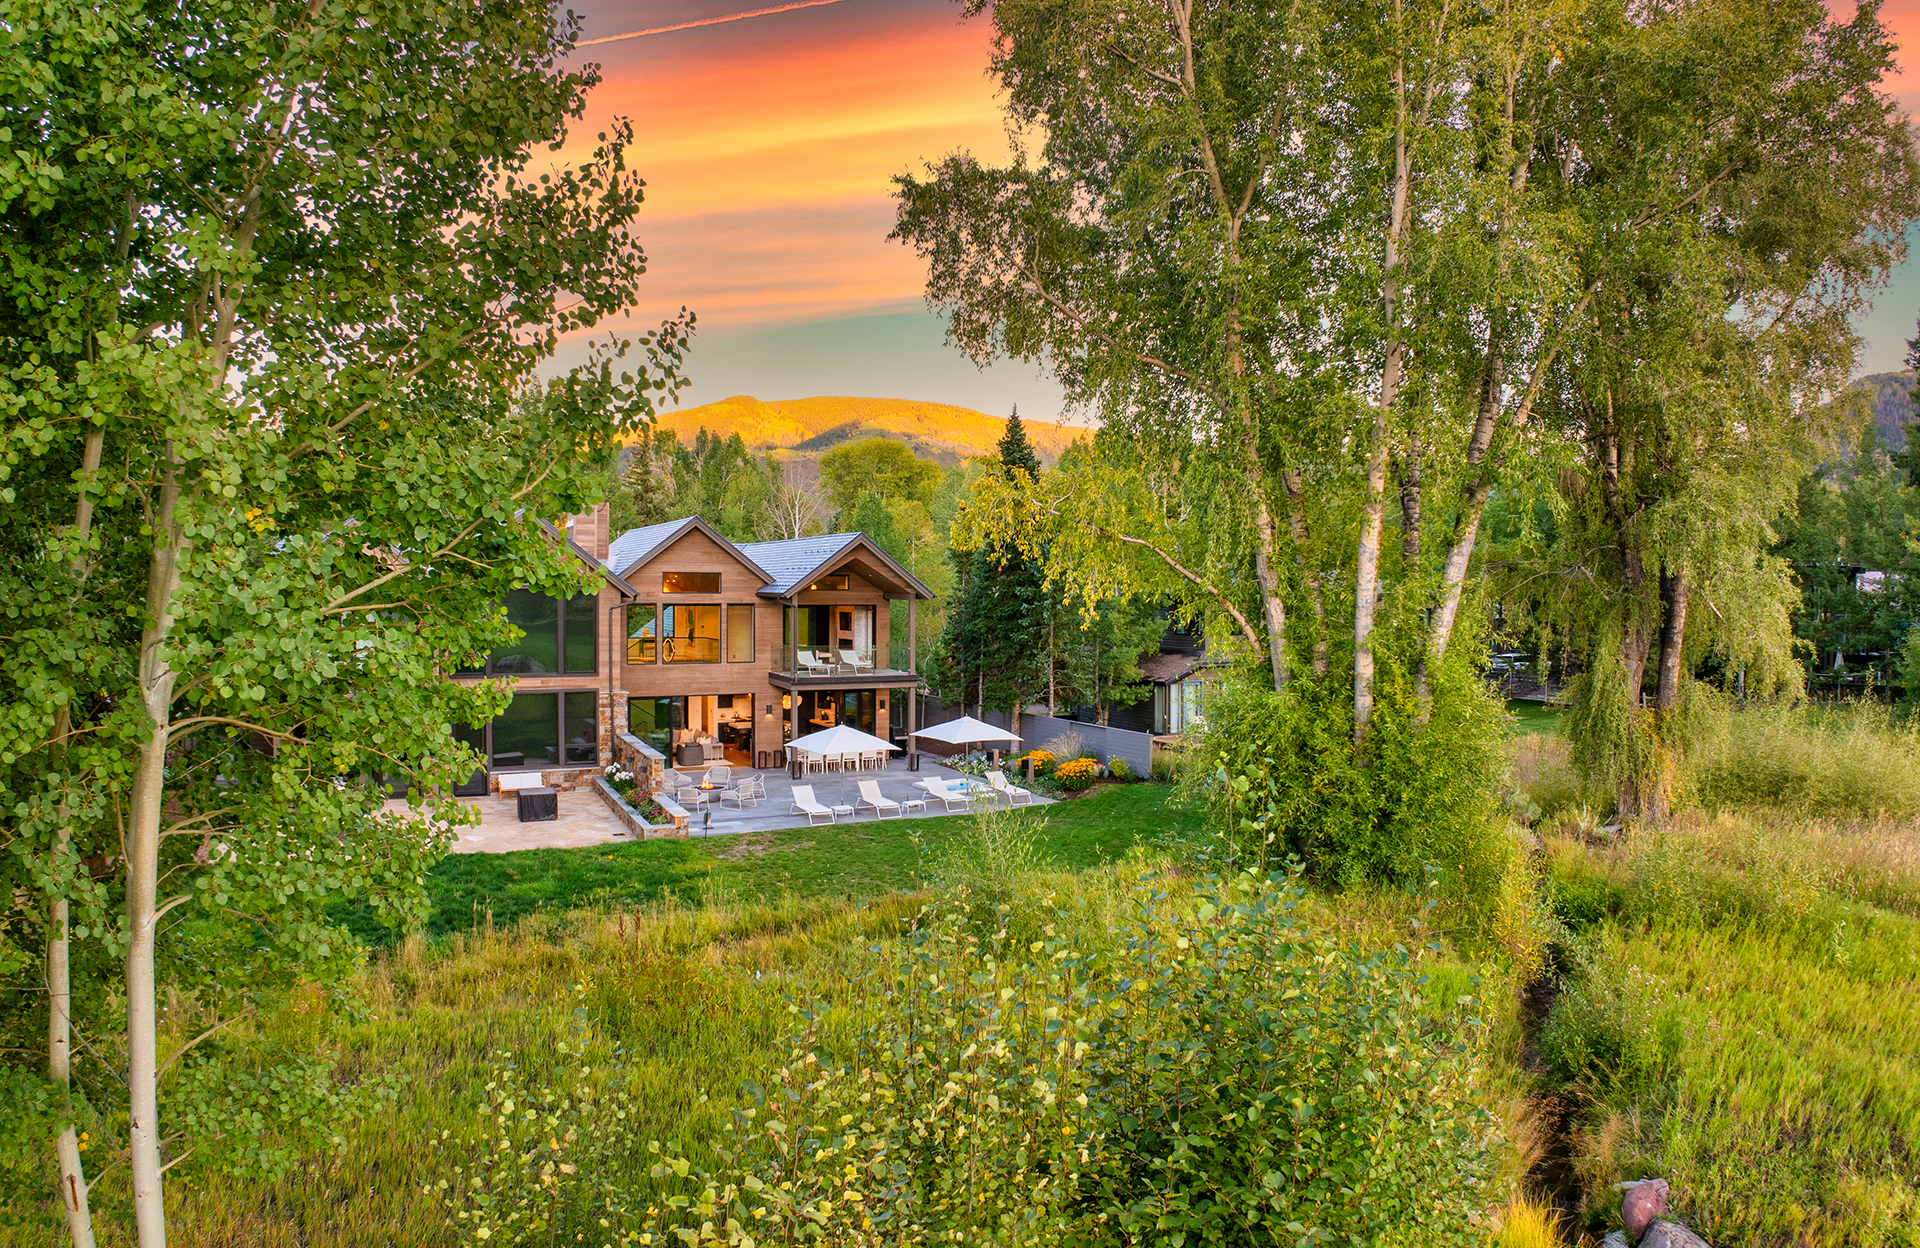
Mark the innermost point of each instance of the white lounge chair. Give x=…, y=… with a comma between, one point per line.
x=854, y=661
x=1014, y=794
x=812, y=665
x=938, y=791
x=870, y=796
x=804, y=804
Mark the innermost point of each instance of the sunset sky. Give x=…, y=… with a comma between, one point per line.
x=768, y=145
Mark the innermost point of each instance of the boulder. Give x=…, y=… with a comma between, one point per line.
x=1642, y=1209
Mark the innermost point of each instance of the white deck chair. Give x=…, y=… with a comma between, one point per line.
x=1014, y=794
x=811, y=665
x=852, y=659
x=870, y=796
x=804, y=804
x=938, y=791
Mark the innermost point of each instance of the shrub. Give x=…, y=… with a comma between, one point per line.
x=1279, y=771
x=1076, y=774
x=1215, y=1075
x=1845, y=760
x=1119, y=769
x=1067, y=745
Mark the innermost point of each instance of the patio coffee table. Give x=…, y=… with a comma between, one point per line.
x=539, y=805
x=843, y=810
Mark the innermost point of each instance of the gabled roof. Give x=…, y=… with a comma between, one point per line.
x=796, y=562
x=636, y=546
x=1168, y=668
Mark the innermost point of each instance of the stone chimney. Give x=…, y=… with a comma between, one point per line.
x=590, y=531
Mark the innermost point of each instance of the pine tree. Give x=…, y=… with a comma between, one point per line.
x=994, y=646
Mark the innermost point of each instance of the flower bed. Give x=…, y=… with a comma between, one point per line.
x=1076, y=774
x=627, y=789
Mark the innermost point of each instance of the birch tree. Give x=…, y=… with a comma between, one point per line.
x=278, y=278
x=1743, y=185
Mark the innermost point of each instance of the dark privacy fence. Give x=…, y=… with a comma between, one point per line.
x=1036, y=731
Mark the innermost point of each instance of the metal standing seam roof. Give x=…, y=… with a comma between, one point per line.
x=793, y=561
x=635, y=545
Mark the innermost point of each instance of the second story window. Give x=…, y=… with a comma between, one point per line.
x=740, y=632
x=689, y=582
x=837, y=580
x=559, y=637
x=691, y=632
x=643, y=635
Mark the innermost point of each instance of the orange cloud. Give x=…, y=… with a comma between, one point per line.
x=769, y=145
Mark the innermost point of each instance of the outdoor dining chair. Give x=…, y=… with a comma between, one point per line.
x=870, y=796
x=720, y=773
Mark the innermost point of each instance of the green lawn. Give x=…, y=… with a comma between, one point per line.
x=1531, y=716
x=852, y=860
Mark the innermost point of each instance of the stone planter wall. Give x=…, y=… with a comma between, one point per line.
x=636, y=823
x=636, y=756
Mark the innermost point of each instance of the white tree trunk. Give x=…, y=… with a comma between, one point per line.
x=1366, y=586
x=142, y=853
x=1276, y=607
x=73, y=1175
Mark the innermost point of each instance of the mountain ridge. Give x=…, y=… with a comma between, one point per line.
x=805, y=427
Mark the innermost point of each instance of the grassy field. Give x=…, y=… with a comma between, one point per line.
x=1530, y=716
x=1740, y=991
x=851, y=860
x=677, y=1004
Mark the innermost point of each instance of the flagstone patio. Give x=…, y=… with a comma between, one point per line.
x=585, y=820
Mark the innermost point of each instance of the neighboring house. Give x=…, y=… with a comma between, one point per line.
x=1178, y=675
x=705, y=650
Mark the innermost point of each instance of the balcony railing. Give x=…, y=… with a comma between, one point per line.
x=822, y=661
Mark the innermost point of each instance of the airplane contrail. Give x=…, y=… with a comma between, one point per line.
x=707, y=21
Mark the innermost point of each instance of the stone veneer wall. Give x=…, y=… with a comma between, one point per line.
x=645, y=762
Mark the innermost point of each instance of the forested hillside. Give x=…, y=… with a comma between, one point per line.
x=1892, y=406
x=936, y=431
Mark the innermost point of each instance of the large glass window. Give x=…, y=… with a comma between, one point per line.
x=527, y=734
x=652, y=720
x=537, y=652
x=689, y=582
x=642, y=633
x=836, y=580
x=740, y=633
x=691, y=632
x=476, y=784
x=582, y=635
x=814, y=623
x=581, y=729
x=557, y=635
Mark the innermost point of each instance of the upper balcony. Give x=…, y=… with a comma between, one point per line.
x=820, y=667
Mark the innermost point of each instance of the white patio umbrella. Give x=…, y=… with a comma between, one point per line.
x=840, y=742
x=965, y=731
